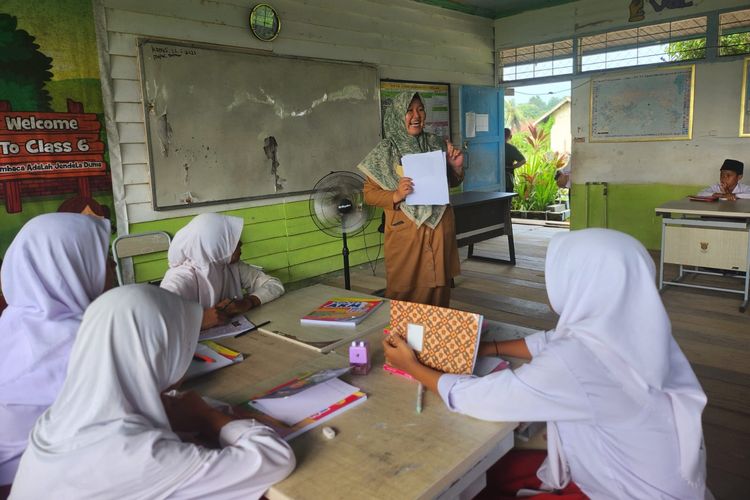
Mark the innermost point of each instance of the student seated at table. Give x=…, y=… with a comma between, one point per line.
x=622, y=404
x=53, y=269
x=205, y=266
x=729, y=186
x=111, y=433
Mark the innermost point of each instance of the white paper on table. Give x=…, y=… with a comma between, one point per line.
x=483, y=122
x=237, y=325
x=428, y=172
x=471, y=124
x=292, y=409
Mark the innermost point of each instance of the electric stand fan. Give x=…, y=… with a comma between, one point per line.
x=337, y=206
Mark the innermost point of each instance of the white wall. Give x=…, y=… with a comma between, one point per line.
x=716, y=104
x=589, y=16
x=716, y=117
x=404, y=39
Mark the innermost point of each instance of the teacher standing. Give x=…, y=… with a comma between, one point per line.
x=421, y=255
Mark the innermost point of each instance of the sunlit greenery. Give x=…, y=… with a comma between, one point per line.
x=517, y=114
x=729, y=45
x=535, y=181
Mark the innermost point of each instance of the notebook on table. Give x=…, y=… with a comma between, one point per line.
x=442, y=338
x=306, y=401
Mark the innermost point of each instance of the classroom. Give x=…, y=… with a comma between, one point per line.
x=150, y=113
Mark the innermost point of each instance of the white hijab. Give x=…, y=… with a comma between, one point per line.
x=107, y=434
x=204, y=248
x=52, y=271
x=601, y=283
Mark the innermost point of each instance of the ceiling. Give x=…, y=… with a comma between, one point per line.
x=494, y=9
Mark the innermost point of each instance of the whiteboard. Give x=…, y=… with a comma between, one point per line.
x=228, y=125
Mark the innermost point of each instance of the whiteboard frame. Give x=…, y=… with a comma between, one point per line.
x=142, y=41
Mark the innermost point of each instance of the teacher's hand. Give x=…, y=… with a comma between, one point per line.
x=405, y=187
x=455, y=157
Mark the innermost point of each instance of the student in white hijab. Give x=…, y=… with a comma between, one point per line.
x=622, y=404
x=205, y=266
x=54, y=268
x=109, y=435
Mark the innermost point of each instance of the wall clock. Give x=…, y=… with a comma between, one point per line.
x=264, y=22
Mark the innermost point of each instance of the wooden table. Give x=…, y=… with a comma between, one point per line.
x=286, y=311
x=383, y=448
x=714, y=235
x=481, y=216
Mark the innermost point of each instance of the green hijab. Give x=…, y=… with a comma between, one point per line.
x=380, y=164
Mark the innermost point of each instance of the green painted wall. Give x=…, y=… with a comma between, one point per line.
x=10, y=224
x=281, y=238
x=626, y=207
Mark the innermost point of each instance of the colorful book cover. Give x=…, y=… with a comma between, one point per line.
x=345, y=311
x=444, y=339
x=304, y=402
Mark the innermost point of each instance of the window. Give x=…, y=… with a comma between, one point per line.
x=734, y=33
x=537, y=61
x=643, y=45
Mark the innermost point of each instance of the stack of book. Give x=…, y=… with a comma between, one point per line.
x=341, y=311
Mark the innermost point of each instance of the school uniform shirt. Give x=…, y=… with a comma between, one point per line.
x=53, y=269
x=622, y=404
x=199, y=267
x=741, y=190
x=107, y=436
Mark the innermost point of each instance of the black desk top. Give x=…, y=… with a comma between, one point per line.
x=473, y=197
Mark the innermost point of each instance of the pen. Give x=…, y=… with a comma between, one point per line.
x=202, y=358
x=420, y=395
x=231, y=301
x=252, y=329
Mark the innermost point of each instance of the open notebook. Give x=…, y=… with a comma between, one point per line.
x=313, y=399
x=219, y=356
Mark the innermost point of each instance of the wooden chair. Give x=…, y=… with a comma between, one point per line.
x=131, y=245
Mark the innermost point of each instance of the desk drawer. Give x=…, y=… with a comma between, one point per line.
x=706, y=247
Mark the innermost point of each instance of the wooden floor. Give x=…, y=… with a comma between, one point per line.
x=711, y=331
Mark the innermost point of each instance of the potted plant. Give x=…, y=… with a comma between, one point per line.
x=535, y=180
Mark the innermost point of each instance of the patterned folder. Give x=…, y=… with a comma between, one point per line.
x=449, y=338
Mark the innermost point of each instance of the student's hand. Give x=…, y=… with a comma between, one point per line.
x=405, y=187
x=455, y=157
x=398, y=353
x=186, y=411
x=243, y=305
x=214, y=316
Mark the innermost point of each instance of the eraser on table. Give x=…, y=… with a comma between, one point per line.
x=329, y=433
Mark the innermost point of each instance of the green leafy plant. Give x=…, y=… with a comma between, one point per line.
x=535, y=181
x=24, y=69
x=729, y=45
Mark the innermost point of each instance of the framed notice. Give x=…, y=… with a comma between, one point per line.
x=437, y=102
x=745, y=107
x=654, y=105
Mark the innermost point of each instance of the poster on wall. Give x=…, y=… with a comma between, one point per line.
x=654, y=105
x=436, y=98
x=745, y=106
x=52, y=140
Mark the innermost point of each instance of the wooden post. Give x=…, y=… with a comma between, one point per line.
x=12, y=197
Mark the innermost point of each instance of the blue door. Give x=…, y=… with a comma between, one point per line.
x=481, y=109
